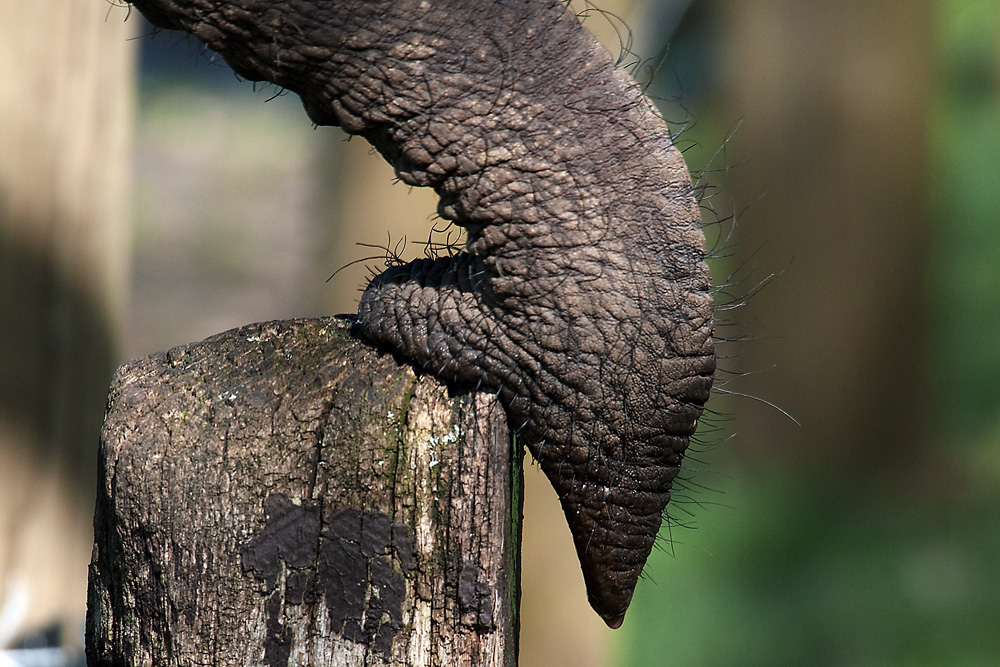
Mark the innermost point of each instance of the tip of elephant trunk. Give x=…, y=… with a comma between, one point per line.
x=614, y=622
x=611, y=609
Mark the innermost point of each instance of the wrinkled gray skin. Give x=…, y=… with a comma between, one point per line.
x=582, y=296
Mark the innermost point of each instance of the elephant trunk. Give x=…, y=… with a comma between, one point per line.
x=582, y=295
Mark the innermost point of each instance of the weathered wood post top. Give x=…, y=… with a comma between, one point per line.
x=282, y=495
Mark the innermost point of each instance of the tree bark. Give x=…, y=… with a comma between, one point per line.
x=282, y=495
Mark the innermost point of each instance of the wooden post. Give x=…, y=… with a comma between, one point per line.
x=282, y=495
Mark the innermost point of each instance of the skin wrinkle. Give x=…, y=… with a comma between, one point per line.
x=582, y=296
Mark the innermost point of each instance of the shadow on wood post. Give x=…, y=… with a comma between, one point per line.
x=281, y=494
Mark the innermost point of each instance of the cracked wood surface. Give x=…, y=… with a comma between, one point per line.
x=281, y=494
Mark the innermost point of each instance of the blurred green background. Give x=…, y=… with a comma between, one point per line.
x=870, y=533
x=849, y=153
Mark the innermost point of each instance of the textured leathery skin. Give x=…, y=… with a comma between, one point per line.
x=582, y=296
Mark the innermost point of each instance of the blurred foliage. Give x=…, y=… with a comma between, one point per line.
x=794, y=571
x=793, y=568
x=965, y=267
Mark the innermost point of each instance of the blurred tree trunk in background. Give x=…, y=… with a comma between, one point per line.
x=368, y=208
x=833, y=171
x=65, y=115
